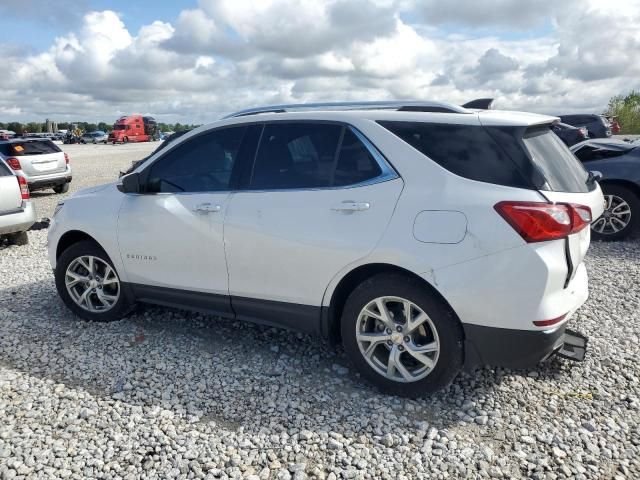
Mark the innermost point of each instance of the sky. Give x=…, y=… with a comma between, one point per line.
x=195, y=61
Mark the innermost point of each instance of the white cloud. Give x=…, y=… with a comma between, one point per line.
x=220, y=56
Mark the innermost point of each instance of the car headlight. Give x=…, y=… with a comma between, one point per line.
x=57, y=209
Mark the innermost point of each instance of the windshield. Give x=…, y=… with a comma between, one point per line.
x=119, y=127
x=561, y=169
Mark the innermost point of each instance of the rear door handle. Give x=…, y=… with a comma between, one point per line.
x=351, y=206
x=207, y=208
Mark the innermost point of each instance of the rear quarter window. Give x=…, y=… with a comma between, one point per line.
x=4, y=170
x=466, y=150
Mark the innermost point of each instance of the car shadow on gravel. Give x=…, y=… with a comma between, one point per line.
x=233, y=373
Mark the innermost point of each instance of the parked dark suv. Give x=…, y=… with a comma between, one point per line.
x=597, y=125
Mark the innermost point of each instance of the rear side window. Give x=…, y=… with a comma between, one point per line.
x=311, y=155
x=200, y=164
x=295, y=155
x=32, y=147
x=466, y=150
x=561, y=169
x=355, y=162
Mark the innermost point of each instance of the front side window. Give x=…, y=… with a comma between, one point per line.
x=203, y=163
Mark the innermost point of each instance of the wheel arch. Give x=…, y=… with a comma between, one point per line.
x=72, y=237
x=331, y=314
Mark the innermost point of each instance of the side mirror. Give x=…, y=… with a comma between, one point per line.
x=130, y=183
x=596, y=175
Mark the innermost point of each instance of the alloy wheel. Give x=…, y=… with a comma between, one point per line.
x=397, y=339
x=616, y=216
x=92, y=284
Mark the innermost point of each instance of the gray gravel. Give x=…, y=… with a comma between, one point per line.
x=170, y=394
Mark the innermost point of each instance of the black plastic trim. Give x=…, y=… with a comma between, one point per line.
x=293, y=316
x=503, y=347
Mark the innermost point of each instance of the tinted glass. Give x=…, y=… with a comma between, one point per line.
x=562, y=170
x=201, y=164
x=295, y=155
x=355, y=162
x=589, y=152
x=33, y=147
x=466, y=150
x=4, y=170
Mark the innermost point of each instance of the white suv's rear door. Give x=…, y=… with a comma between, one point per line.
x=318, y=200
x=39, y=157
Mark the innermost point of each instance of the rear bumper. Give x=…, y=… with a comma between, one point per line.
x=19, y=220
x=37, y=182
x=502, y=347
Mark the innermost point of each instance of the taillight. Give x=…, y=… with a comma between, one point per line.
x=66, y=158
x=14, y=163
x=580, y=217
x=24, y=187
x=539, y=222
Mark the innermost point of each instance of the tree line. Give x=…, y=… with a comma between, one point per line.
x=627, y=109
x=37, y=127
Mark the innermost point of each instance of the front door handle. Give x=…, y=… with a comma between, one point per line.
x=207, y=208
x=351, y=206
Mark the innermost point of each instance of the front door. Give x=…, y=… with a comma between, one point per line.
x=171, y=236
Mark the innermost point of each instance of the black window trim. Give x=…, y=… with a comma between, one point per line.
x=388, y=172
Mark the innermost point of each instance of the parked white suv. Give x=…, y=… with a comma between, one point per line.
x=427, y=237
x=39, y=161
x=17, y=213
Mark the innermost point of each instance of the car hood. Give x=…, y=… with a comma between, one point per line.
x=91, y=190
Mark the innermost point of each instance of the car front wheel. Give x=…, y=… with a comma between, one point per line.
x=620, y=217
x=401, y=337
x=89, y=285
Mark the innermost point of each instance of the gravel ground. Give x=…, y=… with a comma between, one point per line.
x=170, y=394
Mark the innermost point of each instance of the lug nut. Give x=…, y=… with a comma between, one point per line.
x=407, y=339
x=389, y=342
x=398, y=328
x=388, y=331
x=400, y=347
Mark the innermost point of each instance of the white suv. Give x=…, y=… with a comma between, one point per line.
x=427, y=237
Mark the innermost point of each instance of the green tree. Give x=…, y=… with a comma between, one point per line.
x=627, y=109
x=15, y=127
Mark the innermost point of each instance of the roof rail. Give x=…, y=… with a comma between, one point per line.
x=406, y=106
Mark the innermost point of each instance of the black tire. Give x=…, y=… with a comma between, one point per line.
x=117, y=311
x=63, y=188
x=125, y=140
x=633, y=201
x=18, y=238
x=447, y=326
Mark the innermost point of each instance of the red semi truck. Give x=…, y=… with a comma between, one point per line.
x=134, y=128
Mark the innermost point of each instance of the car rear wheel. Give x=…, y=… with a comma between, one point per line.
x=63, y=188
x=620, y=217
x=400, y=336
x=89, y=285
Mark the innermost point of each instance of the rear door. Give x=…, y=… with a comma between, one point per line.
x=38, y=157
x=566, y=182
x=317, y=200
x=10, y=198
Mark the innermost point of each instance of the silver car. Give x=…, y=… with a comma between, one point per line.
x=94, y=137
x=39, y=161
x=17, y=213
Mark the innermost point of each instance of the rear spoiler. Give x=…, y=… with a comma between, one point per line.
x=479, y=104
